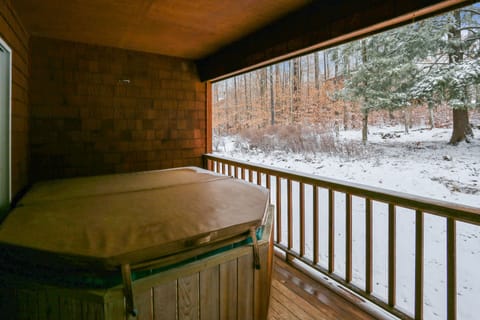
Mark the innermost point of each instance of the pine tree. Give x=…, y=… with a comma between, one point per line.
x=387, y=71
x=453, y=70
x=431, y=62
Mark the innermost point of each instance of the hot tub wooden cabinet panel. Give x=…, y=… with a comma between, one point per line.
x=221, y=286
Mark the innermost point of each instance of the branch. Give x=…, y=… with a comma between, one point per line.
x=469, y=28
x=475, y=12
x=434, y=63
x=472, y=38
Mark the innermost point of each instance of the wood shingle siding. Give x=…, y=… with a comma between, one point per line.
x=102, y=110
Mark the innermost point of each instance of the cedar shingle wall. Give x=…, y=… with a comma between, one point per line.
x=100, y=110
x=15, y=35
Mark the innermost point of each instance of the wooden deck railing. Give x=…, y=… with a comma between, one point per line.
x=288, y=194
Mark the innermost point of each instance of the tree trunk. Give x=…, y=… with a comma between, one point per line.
x=406, y=120
x=226, y=106
x=263, y=93
x=345, y=116
x=317, y=71
x=246, y=97
x=272, y=98
x=365, y=127
x=278, y=90
x=461, y=127
x=325, y=64
x=296, y=91
x=431, y=119
x=364, y=112
x=290, y=76
x=215, y=93
x=250, y=105
x=391, y=116
x=307, y=83
x=235, y=104
x=335, y=74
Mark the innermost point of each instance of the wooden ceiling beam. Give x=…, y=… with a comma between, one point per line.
x=320, y=25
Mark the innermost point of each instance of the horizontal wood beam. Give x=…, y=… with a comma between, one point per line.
x=321, y=24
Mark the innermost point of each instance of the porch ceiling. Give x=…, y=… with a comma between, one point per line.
x=181, y=28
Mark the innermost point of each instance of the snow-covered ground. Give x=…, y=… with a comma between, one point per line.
x=419, y=163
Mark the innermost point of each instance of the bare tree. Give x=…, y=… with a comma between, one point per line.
x=296, y=90
x=272, y=97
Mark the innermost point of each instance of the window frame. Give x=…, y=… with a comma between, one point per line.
x=4, y=45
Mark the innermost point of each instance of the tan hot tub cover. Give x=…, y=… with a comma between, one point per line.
x=106, y=221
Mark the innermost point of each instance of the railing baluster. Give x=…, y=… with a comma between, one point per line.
x=242, y=171
x=267, y=178
x=290, y=214
x=259, y=178
x=315, y=225
x=348, y=237
x=217, y=166
x=368, y=246
x=331, y=231
x=229, y=170
x=302, y=219
x=279, y=209
x=250, y=175
x=224, y=169
x=418, y=265
x=451, y=270
x=391, y=254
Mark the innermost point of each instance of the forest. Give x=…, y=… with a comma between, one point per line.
x=424, y=67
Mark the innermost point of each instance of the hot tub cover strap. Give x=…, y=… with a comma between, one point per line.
x=256, y=252
x=128, y=290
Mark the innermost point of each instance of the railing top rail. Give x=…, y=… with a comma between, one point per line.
x=427, y=205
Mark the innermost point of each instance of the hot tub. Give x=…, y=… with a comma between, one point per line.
x=166, y=244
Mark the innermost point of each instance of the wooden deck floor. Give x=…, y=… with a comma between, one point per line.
x=294, y=295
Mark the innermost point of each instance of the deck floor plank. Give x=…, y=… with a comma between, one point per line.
x=299, y=307
x=294, y=296
x=282, y=312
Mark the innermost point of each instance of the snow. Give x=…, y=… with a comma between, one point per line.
x=419, y=163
